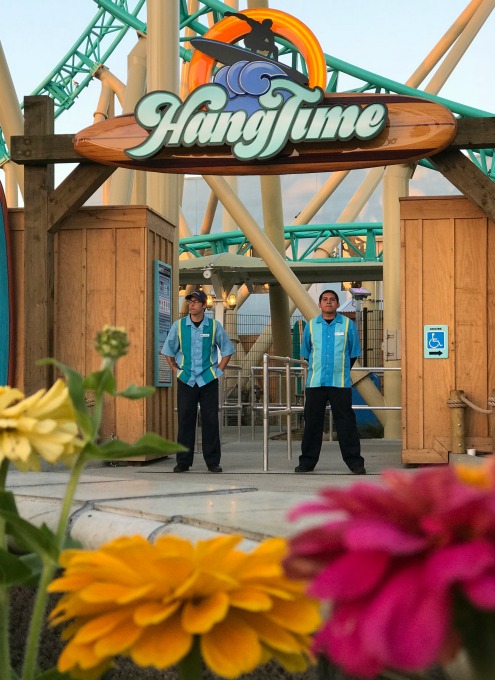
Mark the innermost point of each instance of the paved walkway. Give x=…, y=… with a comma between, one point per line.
x=150, y=500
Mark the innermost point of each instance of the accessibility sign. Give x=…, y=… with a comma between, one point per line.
x=436, y=342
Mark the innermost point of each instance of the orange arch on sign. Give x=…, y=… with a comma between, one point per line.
x=231, y=29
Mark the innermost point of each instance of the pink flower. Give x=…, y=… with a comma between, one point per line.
x=392, y=559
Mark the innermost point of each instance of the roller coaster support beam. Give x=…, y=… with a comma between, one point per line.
x=271, y=198
x=282, y=272
x=121, y=183
x=11, y=119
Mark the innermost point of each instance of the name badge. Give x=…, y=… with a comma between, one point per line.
x=207, y=335
x=339, y=333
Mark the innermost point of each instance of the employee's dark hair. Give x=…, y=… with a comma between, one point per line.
x=329, y=291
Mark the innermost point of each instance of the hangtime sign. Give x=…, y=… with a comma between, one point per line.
x=256, y=115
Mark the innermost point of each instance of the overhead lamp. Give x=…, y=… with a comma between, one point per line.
x=231, y=301
x=209, y=301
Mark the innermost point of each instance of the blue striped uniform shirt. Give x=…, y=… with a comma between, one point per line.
x=329, y=348
x=195, y=349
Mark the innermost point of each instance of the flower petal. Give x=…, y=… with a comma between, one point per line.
x=346, y=578
x=200, y=617
x=242, y=653
x=163, y=645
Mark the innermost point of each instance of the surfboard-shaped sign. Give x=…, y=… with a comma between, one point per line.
x=414, y=129
x=6, y=298
x=249, y=113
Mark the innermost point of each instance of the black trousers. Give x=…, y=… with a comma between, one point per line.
x=188, y=399
x=340, y=399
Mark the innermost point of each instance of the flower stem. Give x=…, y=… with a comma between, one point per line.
x=35, y=626
x=4, y=593
x=49, y=568
x=4, y=468
x=191, y=666
x=68, y=498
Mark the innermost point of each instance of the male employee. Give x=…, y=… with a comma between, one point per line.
x=191, y=350
x=331, y=345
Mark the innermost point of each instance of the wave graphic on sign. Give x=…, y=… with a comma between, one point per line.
x=245, y=82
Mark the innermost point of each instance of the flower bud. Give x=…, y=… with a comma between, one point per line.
x=112, y=342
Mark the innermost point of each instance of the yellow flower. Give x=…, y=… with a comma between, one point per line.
x=477, y=475
x=41, y=425
x=149, y=601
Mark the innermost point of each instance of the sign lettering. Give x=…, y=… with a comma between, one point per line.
x=289, y=112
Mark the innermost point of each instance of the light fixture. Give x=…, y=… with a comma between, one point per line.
x=231, y=301
x=209, y=301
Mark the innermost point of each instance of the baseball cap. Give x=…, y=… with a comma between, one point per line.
x=198, y=294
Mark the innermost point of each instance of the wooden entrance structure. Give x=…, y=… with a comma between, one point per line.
x=47, y=209
x=448, y=268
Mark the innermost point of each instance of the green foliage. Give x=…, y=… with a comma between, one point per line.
x=40, y=546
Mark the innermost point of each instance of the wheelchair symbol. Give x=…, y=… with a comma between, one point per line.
x=435, y=342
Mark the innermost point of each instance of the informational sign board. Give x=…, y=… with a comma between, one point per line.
x=436, y=342
x=163, y=321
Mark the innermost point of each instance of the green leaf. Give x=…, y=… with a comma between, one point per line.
x=74, y=383
x=40, y=541
x=135, y=392
x=100, y=381
x=52, y=674
x=35, y=565
x=7, y=502
x=476, y=628
x=12, y=569
x=86, y=425
x=149, y=445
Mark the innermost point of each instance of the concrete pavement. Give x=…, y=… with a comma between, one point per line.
x=151, y=500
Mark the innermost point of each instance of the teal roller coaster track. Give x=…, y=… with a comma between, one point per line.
x=114, y=18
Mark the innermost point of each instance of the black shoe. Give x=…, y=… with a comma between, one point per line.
x=214, y=468
x=301, y=468
x=359, y=471
x=181, y=468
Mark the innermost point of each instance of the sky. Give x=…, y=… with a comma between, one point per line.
x=387, y=37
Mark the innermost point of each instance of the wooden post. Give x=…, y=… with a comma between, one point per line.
x=457, y=422
x=38, y=251
x=491, y=404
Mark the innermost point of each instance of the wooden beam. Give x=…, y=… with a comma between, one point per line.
x=74, y=191
x=38, y=252
x=43, y=149
x=469, y=179
x=474, y=133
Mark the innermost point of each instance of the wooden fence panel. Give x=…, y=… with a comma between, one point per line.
x=448, y=262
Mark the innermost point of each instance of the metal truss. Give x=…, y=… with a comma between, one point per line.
x=360, y=242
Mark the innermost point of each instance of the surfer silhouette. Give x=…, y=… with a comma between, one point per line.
x=261, y=38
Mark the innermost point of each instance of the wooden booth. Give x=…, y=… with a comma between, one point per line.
x=448, y=270
x=104, y=274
